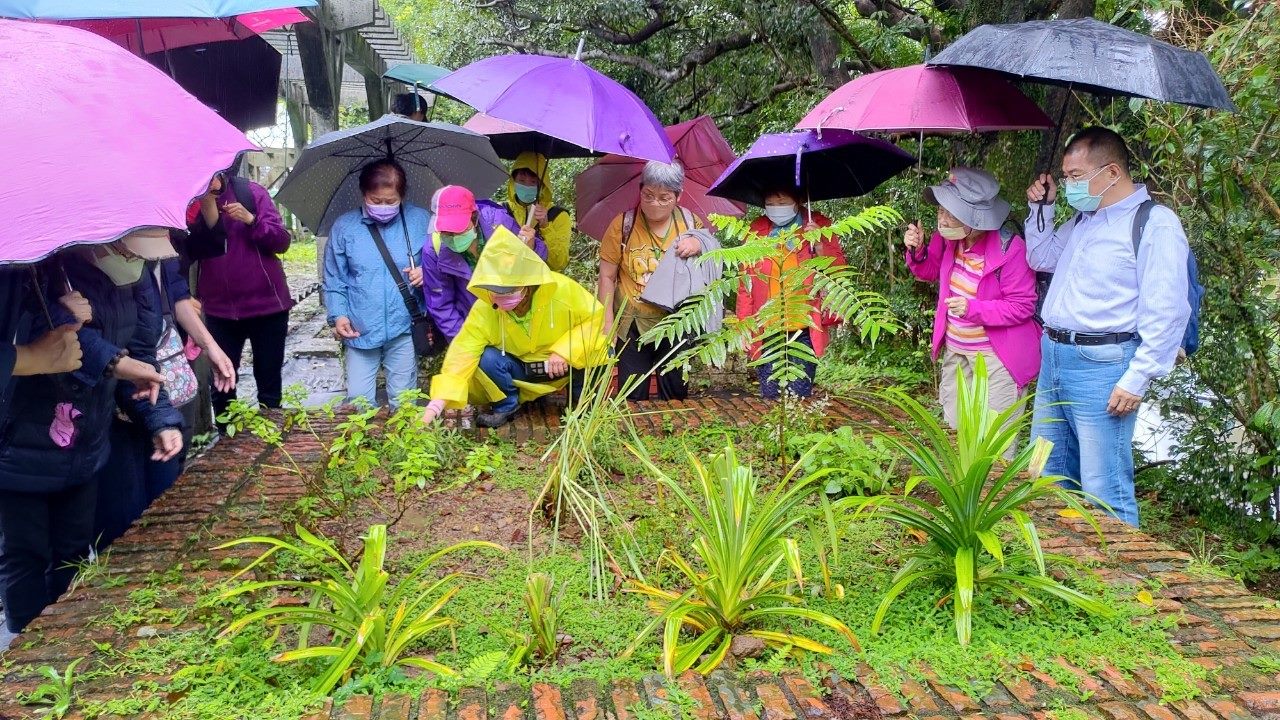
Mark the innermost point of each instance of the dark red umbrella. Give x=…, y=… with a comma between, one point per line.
x=611, y=186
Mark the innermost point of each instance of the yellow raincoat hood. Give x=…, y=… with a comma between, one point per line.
x=564, y=318
x=537, y=164
x=507, y=261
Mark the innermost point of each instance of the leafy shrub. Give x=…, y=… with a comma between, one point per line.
x=542, y=604
x=963, y=550
x=856, y=466
x=368, y=623
x=741, y=542
x=57, y=694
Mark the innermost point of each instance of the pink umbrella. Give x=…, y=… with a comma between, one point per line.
x=102, y=142
x=919, y=98
x=158, y=34
x=612, y=185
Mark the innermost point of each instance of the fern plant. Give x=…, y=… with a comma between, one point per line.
x=964, y=551
x=838, y=290
x=367, y=622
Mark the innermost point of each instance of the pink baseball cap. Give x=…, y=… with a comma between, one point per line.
x=453, y=206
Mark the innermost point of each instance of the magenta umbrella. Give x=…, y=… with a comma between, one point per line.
x=611, y=186
x=561, y=97
x=101, y=142
x=919, y=98
x=143, y=36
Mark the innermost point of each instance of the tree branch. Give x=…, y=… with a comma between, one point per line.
x=670, y=75
x=753, y=104
x=656, y=24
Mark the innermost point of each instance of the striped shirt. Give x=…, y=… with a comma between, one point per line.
x=965, y=336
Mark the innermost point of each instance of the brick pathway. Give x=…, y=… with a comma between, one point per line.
x=1220, y=625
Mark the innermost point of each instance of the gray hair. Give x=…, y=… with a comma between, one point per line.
x=669, y=176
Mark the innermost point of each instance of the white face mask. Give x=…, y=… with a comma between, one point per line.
x=780, y=215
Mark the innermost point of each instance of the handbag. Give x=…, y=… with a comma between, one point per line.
x=171, y=357
x=427, y=338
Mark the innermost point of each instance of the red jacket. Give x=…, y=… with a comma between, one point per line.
x=750, y=302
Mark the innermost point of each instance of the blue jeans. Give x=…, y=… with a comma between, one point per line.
x=396, y=356
x=800, y=387
x=1091, y=448
x=505, y=369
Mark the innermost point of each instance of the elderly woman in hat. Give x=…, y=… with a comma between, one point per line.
x=986, y=291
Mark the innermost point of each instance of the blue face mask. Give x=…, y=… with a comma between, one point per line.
x=1078, y=195
x=526, y=194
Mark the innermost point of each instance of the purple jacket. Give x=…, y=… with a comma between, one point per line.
x=445, y=274
x=1004, y=306
x=248, y=281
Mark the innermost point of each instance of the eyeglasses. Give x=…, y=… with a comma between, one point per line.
x=1087, y=175
x=649, y=198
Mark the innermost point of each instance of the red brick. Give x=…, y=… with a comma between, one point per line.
x=357, y=707
x=774, y=702
x=586, y=701
x=395, y=707
x=624, y=696
x=1261, y=702
x=1194, y=710
x=323, y=712
x=472, y=705
x=958, y=701
x=886, y=702
x=918, y=697
x=433, y=705
x=1121, y=683
x=1120, y=711
x=1260, y=632
x=695, y=687
x=1222, y=647
x=547, y=702
x=1156, y=711
x=1022, y=689
x=1228, y=710
x=1252, y=615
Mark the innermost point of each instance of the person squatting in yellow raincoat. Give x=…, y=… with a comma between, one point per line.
x=524, y=313
x=529, y=192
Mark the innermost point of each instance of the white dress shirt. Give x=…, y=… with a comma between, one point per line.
x=1100, y=287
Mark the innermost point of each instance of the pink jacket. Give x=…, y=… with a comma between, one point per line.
x=1004, y=306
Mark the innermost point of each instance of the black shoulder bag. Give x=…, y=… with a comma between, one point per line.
x=427, y=338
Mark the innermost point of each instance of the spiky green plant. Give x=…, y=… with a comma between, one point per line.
x=838, y=289
x=542, y=603
x=964, y=551
x=368, y=622
x=742, y=543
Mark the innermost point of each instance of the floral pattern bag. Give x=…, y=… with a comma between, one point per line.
x=179, y=378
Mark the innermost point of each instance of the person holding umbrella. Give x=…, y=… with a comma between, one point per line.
x=529, y=201
x=629, y=254
x=784, y=212
x=986, y=292
x=367, y=310
x=1114, y=316
x=461, y=228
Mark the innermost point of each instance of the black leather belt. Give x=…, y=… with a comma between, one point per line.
x=1067, y=337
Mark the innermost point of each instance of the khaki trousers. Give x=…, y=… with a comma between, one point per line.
x=1002, y=391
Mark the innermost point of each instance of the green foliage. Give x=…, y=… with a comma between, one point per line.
x=483, y=460
x=855, y=465
x=57, y=694
x=741, y=541
x=543, y=604
x=964, y=550
x=368, y=623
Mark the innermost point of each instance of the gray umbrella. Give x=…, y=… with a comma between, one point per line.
x=325, y=182
x=1091, y=55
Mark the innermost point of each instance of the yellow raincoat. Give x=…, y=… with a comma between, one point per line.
x=565, y=319
x=559, y=227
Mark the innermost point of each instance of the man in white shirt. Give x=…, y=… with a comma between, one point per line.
x=1113, y=318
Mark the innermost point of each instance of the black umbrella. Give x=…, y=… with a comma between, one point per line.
x=1091, y=55
x=239, y=79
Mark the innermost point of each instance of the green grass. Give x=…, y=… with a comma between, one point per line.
x=301, y=252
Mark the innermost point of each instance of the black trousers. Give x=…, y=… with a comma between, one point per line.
x=42, y=536
x=266, y=335
x=636, y=359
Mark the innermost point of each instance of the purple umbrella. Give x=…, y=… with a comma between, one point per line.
x=833, y=164
x=102, y=143
x=564, y=98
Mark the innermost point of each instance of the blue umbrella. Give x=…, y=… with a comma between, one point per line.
x=103, y=9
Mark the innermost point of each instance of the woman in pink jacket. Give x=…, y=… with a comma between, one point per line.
x=986, y=291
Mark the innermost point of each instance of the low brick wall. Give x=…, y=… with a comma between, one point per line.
x=231, y=493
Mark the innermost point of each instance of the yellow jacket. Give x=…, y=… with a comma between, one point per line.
x=565, y=319
x=559, y=227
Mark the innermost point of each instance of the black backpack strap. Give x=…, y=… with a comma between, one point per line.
x=402, y=284
x=1140, y=218
x=244, y=194
x=628, y=224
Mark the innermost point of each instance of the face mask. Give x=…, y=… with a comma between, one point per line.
x=509, y=301
x=382, y=214
x=526, y=194
x=780, y=215
x=953, y=233
x=461, y=242
x=1077, y=193
x=122, y=271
